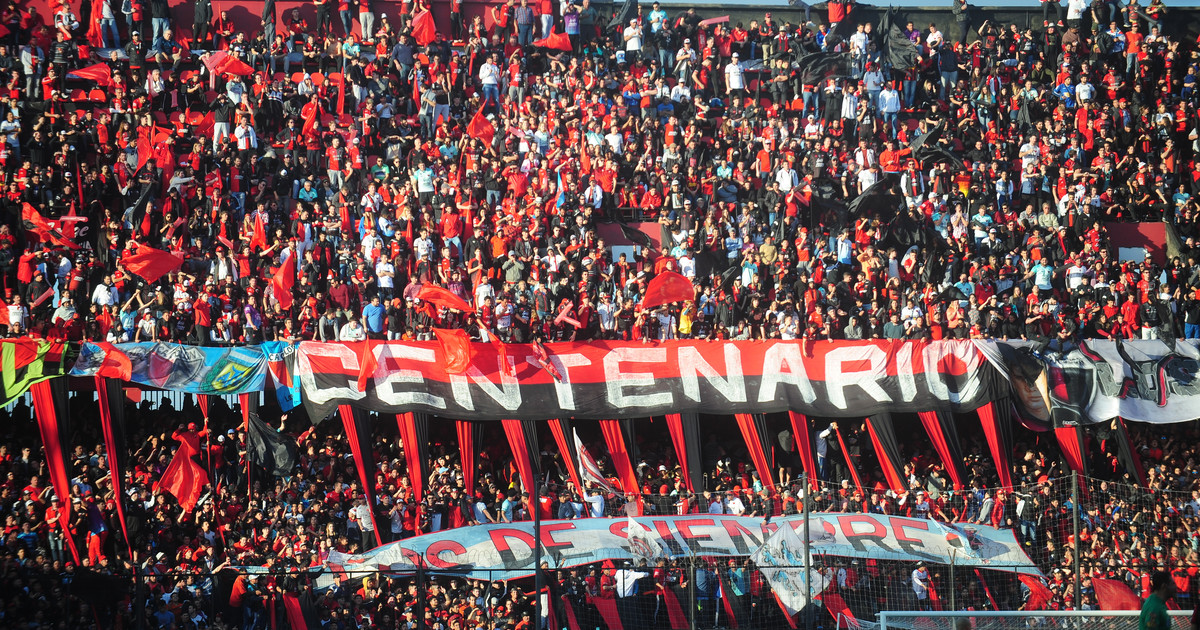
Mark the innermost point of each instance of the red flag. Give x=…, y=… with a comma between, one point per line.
x=502, y=353
x=1039, y=595
x=183, y=478
x=226, y=242
x=95, y=36
x=222, y=62
x=311, y=113
x=36, y=223
x=456, y=349
x=42, y=298
x=101, y=73
x=423, y=28
x=283, y=281
x=565, y=316
x=115, y=364
x=543, y=359
x=341, y=108
x=481, y=128
x=367, y=363
x=668, y=287
x=151, y=263
x=443, y=297
x=1115, y=595
x=556, y=41
x=258, y=240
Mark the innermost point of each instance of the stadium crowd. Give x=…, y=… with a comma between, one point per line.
x=395, y=180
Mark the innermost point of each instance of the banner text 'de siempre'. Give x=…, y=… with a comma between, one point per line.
x=505, y=551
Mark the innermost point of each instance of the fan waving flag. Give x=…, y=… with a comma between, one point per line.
x=36, y=223
x=152, y=264
x=423, y=28
x=556, y=41
x=440, y=296
x=481, y=128
x=258, y=240
x=101, y=73
x=642, y=544
x=283, y=281
x=222, y=62
x=1115, y=595
x=668, y=287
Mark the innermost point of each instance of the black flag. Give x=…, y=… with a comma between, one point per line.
x=628, y=11
x=270, y=449
x=878, y=201
x=898, y=51
x=637, y=237
x=926, y=148
x=818, y=67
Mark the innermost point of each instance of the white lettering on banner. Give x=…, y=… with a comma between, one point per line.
x=618, y=382
x=404, y=386
x=904, y=373
x=691, y=364
x=563, y=363
x=347, y=361
x=940, y=360
x=868, y=379
x=508, y=395
x=775, y=359
x=504, y=550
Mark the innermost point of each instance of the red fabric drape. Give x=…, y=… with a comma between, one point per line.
x=1071, y=443
x=566, y=449
x=992, y=429
x=675, y=425
x=986, y=589
x=803, y=445
x=615, y=441
x=754, y=444
x=933, y=427
x=891, y=470
x=291, y=608
x=1134, y=457
x=111, y=444
x=406, y=422
x=466, y=449
x=360, y=457
x=520, y=448
x=47, y=420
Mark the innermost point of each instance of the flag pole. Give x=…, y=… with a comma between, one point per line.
x=808, y=621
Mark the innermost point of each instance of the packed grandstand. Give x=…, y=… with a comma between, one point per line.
x=309, y=317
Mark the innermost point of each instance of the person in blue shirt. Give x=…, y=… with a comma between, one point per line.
x=373, y=315
x=733, y=245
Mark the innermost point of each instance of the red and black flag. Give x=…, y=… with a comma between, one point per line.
x=685, y=435
x=111, y=397
x=887, y=448
x=52, y=411
x=943, y=434
x=358, y=429
x=523, y=440
x=36, y=224
x=758, y=441
x=414, y=436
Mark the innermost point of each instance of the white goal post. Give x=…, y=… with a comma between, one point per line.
x=1013, y=619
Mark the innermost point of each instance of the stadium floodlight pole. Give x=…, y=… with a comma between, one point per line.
x=1075, y=528
x=808, y=620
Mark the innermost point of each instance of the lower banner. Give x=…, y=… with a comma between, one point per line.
x=505, y=551
x=192, y=369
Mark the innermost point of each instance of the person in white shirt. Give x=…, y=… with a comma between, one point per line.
x=386, y=274
x=352, y=330
x=734, y=505
x=247, y=139
x=595, y=501
x=920, y=584
x=633, y=41
x=627, y=579
x=735, y=80
x=105, y=295
x=889, y=107
x=787, y=177
x=607, y=311
x=489, y=77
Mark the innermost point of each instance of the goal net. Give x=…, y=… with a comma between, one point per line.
x=1013, y=620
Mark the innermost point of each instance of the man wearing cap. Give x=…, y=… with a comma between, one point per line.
x=632, y=36
x=735, y=79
